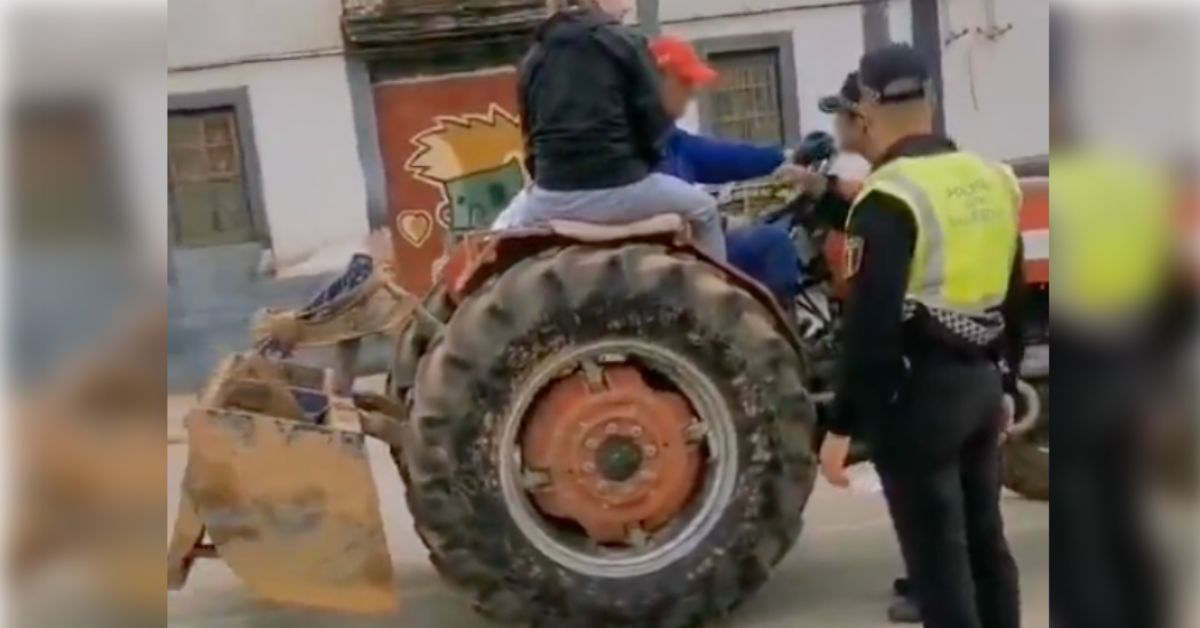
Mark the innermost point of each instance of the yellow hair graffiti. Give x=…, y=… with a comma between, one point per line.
x=458, y=146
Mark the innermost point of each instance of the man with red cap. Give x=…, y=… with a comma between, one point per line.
x=691, y=157
x=765, y=252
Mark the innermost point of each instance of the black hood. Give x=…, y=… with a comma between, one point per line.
x=571, y=23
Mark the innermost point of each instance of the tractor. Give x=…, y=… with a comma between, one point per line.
x=596, y=426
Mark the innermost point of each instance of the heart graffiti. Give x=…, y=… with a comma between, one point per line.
x=415, y=226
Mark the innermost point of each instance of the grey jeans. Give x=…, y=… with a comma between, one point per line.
x=656, y=194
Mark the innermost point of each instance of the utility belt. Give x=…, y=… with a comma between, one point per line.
x=935, y=332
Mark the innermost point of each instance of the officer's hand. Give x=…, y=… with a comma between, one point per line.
x=834, y=452
x=805, y=180
x=1008, y=412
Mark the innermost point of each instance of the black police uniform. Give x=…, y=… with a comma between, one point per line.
x=929, y=407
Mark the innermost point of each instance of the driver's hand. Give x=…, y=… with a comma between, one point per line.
x=803, y=179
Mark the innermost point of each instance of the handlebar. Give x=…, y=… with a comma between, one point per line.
x=801, y=204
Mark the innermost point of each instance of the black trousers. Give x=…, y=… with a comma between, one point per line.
x=938, y=456
x=1103, y=570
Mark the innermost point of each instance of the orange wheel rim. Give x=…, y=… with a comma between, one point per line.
x=604, y=449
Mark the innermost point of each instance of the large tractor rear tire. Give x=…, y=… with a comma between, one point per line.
x=1027, y=456
x=519, y=384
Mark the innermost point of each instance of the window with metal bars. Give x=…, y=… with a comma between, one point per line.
x=747, y=102
x=209, y=203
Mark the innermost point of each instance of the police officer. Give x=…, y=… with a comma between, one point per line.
x=934, y=257
x=1122, y=306
x=835, y=193
x=1112, y=236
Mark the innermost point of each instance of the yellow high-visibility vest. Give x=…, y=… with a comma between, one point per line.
x=1110, y=230
x=966, y=210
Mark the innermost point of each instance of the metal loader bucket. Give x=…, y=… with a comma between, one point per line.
x=278, y=479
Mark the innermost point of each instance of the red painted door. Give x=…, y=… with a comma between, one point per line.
x=452, y=156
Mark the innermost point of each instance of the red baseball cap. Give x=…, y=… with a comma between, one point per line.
x=678, y=58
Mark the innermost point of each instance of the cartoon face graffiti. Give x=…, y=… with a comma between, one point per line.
x=478, y=198
x=476, y=161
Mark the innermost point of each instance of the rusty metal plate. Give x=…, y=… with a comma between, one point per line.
x=292, y=508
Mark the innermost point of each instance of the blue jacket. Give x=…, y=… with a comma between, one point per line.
x=765, y=252
x=697, y=159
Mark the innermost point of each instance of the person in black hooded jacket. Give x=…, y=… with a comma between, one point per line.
x=595, y=127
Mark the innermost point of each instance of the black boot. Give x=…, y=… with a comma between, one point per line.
x=904, y=610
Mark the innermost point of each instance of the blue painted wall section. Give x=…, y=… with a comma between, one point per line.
x=214, y=295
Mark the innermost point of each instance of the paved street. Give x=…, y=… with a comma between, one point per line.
x=837, y=577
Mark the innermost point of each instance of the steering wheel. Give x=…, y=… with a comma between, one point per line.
x=816, y=151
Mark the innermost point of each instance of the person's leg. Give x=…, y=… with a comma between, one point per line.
x=1137, y=574
x=926, y=509
x=994, y=570
x=1103, y=573
x=513, y=215
x=667, y=194
x=767, y=254
x=918, y=452
x=1081, y=575
x=656, y=194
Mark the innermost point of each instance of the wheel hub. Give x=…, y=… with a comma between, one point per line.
x=604, y=449
x=619, y=458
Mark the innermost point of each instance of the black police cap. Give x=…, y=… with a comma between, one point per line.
x=894, y=73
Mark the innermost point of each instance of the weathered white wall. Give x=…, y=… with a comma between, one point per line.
x=314, y=191
x=827, y=41
x=208, y=31
x=679, y=10
x=900, y=20
x=997, y=93
x=1131, y=82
